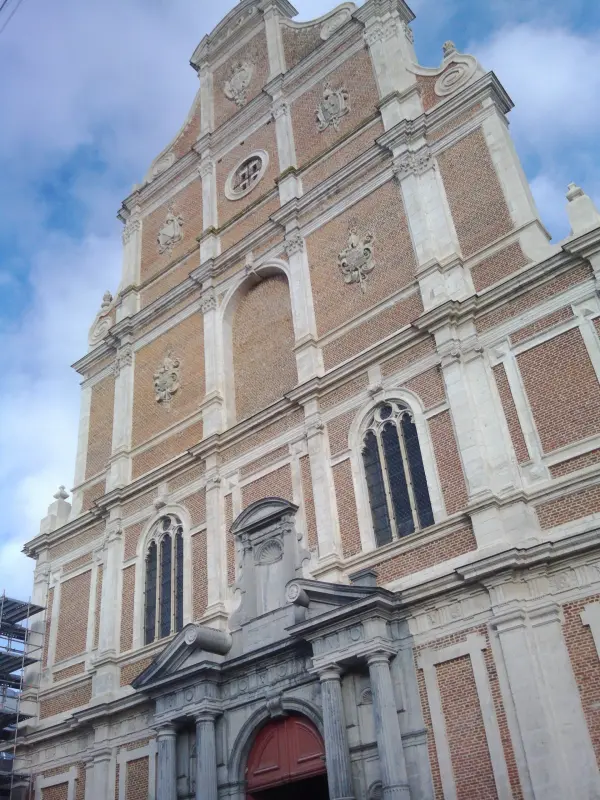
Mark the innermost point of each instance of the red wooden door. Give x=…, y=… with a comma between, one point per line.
x=285, y=750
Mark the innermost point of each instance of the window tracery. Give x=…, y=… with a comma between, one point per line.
x=163, y=607
x=395, y=475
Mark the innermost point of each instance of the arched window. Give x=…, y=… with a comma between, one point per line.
x=398, y=493
x=163, y=614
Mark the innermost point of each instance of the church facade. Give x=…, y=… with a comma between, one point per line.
x=335, y=521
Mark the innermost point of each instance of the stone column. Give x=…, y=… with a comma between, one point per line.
x=215, y=614
x=166, y=787
x=337, y=753
x=206, y=757
x=394, y=777
x=97, y=780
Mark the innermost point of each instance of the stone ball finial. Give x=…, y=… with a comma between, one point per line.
x=62, y=493
x=574, y=191
x=107, y=299
x=448, y=48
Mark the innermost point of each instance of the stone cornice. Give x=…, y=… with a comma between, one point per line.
x=162, y=184
x=382, y=8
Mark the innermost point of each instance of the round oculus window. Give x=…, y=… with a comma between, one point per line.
x=246, y=175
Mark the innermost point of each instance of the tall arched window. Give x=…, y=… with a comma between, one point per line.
x=163, y=613
x=398, y=493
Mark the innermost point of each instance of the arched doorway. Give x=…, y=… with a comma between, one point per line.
x=287, y=760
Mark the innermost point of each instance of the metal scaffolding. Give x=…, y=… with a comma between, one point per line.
x=20, y=648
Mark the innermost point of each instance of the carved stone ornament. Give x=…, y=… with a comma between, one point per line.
x=132, y=227
x=412, y=163
x=408, y=32
x=334, y=23
x=448, y=48
x=170, y=233
x=356, y=261
x=294, y=244
x=208, y=302
x=103, y=322
x=166, y=379
x=235, y=88
x=124, y=358
x=461, y=69
x=332, y=108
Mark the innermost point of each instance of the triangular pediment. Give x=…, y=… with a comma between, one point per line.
x=195, y=648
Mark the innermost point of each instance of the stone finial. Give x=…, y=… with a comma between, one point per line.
x=581, y=210
x=107, y=299
x=62, y=493
x=448, y=48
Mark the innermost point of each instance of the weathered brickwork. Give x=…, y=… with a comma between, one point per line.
x=262, y=342
x=562, y=315
x=91, y=494
x=137, y=779
x=274, y=484
x=57, y=792
x=77, y=541
x=362, y=336
x=101, y=425
x=168, y=279
x=187, y=204
x=199, y=574
x=185, y=478
x=127, y=608
x=448, y=462
x=342, y=154
x=338, y=429
x=60, y=702
x=469, y=752
x=98, y=605
x=255, y=216
x=309, y=504
x=196, y=505
x=570, y=507
x=454, y=544
x=345, y=392
x=571, y=411
x=574, y=464
x=408, y=356
x=382, y=215
x=47, y=625
x=191, y=130
x=168, y=448
x=299, y=42
x=346, y=507
x=77, y=563
x=584, y=660
x=265, y=461
x=464, y=116
x=184, y=342
x=254, y=52
x=512, y=309
x=131, y=537
x=429, y=387
x=476, y=200
x=495, y=268
x=263, y=139
x=356, y=76
x=73, y=616
x=129, y=672
x=426, y=84
x=510, y=412
x=281, y=425
x=68, y=672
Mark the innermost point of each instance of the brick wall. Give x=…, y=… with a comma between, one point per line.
x=186, y=342
x=171, y=277
x=584, y=660
x=344, y=392
x=186, y=138
x=73, y=616
x=570, y=507
x=57, y=792
x=100, y=427
x=299, y=42
x=98, y=607
x=93, y=492
x=187, y=204
x=356, y=76
x=47, y=624
x=256, y=215
x=429, y=387
x=408, y=356
x=382, y=215
x=196, y=505
x=68, y=672
x=254, y=52
x=229, y=540
x=137, y=779
x=346, y=506
x=510, y=412
x=264, y=434
x=129, y=672
x=262, y=337
x=556, y=317
x=309, y=504
x=58, y=703
x=199, y=574
x=174, y=445
x=452, y=545
x=274, y=484
x=448, y=461
x=74, y=542
x=574, y=464
x=494, y=268
x=476, y=200
x=131, y=537
x=127, y=608
x=562, y=389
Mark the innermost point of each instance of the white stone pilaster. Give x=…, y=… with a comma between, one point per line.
x=213, y=405
x=210, y=244
x=274, y=41
x=290, y=184
x=585, y=313
x=591, y=616
x=82, y=448
x=206, y=99
x=216, y=552
x=120, y=465
x=106, y=674
x=132, y=252
x=309, y=357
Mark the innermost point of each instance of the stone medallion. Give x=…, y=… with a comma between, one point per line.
x=356, y=261
x=332, y=107
x=166, y=379
x=170, y=233
x=236, y=87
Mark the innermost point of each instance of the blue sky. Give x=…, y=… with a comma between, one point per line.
x=92, y=91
